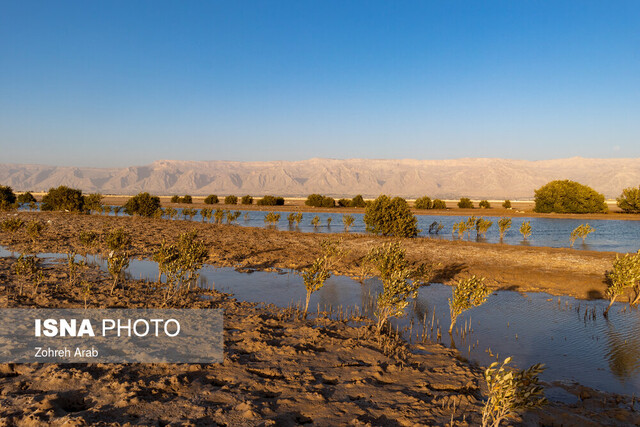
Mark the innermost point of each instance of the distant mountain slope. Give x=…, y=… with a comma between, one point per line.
x=475, y=178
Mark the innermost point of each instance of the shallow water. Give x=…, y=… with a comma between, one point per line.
x=571, y=337
x=609, y=235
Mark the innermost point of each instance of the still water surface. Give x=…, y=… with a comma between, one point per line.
x=570, y=336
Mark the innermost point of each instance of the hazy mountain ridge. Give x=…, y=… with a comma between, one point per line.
x=467, y=177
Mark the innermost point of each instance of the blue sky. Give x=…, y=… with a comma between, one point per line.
x=118, y=83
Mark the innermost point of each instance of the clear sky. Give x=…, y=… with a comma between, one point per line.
x=119, y=83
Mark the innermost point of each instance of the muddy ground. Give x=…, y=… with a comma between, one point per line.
x=559, y=271
x=278, y=369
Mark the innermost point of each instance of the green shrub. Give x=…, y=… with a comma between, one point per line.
x=271, y=201
x=624, y=274
x=318, y=201
x=344, y=203
x=175, y=199
x=484, y=204
x=211, y=199
x=438, y=204
x=568, y=197
x=328, y=202
x=271, y=218
x=119, y=242
x=25, y=198
x=63, y=198
x=629, y=200
x=525, y=229
x=11, y=224
x=507, y=204
x=315, y=221
x=423, y=203
x=504, y=224
x=358, y=202
x=466, y=294
x=314, y=278
x=7, y=197
x=247, y=200
x=400, y=281
x=510, y=392
x=186, y=199
x=231, y=200
x=93, y=202
x=482, y=226
x=582, y=231
x=347, y=220
x=390, y=217
x=465, y=203
x=314, y=200
x=142, y=204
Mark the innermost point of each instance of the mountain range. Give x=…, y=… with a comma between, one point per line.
x=476, y=178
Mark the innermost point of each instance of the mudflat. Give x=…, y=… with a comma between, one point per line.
x=278, y=369
x=558, y=271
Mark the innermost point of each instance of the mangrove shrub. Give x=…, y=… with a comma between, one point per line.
x=568, y=197
x=390, y=217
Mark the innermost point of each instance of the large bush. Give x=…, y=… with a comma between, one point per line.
x=143, y=204
x=390, y=217
x=63, y=198
x=438, y=204
x=211, y=199
x=465, y=203
x=26, y=198
x=231, y=200
x=358, y=202
x=271, y=201
x=7, y=197
x=318, y=200
x=423, y=203
x=247, y=200
x=629, y=200
x=568, y=197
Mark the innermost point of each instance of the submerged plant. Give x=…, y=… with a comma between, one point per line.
x=233, y=216
x=348, y=221
x=525, y=229
x=582, y=231
x=218, y=215
x=511, y=391
x=435, y=227
x=171, y=212
x=291, y=218
x=504, y=224
x=482, y=226
x=271, y=218
x=460, y=228
x=466, y=294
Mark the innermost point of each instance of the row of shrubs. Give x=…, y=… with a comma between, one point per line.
x=557, y=196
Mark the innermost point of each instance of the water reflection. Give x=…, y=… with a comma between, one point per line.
x=623, y=354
